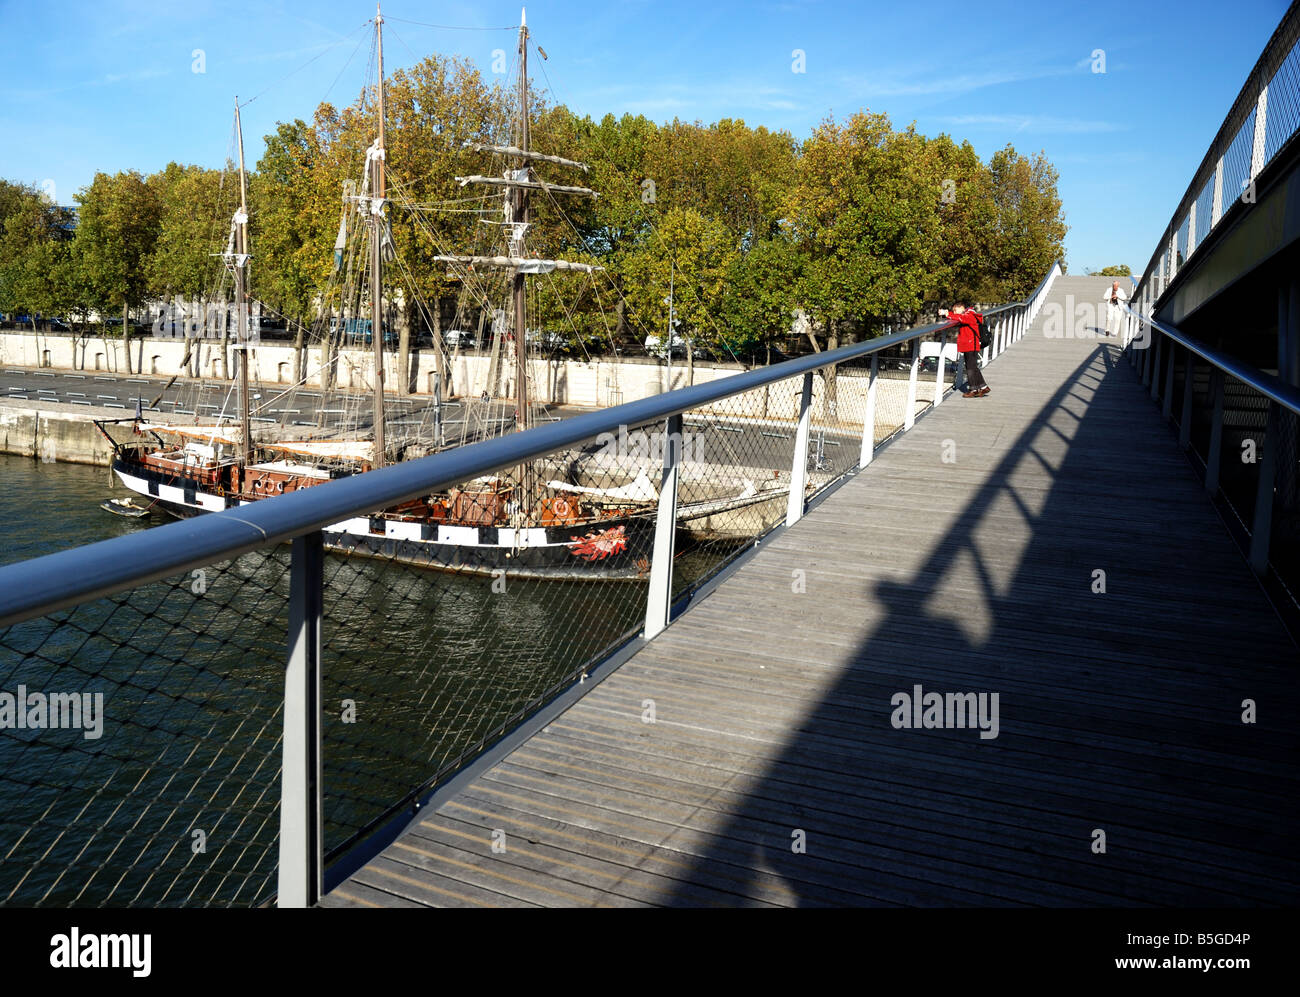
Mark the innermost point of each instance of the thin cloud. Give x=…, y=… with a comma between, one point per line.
x=134, y=76
x=1035, y=123
x=107, y=80
x=941, y=81
x=697, y=101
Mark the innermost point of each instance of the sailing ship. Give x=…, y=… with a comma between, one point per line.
x=528, y=522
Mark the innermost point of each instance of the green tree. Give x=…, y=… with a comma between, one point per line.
x=1028, y=231
x=866, y=210
x=34, y=253
x=761, y=295
x=194, y=209
x=118, y=223
x=693, y=256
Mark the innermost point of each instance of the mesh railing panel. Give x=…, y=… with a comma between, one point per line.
x=1181, y=249
x=421, y=668
x=1236, y=162
x=1283, y=117
x=1204, y=210
x=167, y=792
x=1278, y=68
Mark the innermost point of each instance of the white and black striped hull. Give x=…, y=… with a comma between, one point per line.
x=612, y=548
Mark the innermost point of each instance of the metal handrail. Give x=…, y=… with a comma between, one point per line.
x=1275, y=53
x=56, y=581
x=1271, y=387
x=1051, y=272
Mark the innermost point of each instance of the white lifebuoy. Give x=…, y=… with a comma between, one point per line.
x=561, y=507
x=279, y=487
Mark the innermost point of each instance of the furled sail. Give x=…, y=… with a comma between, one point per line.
x=640, y=490
x=360, y=450
x=219, y=434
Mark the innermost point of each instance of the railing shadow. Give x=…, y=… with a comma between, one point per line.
x=1118, y=711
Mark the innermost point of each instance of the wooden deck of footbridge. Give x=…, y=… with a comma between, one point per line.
x=773, y=775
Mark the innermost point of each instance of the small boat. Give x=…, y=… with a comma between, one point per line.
x=125, y=507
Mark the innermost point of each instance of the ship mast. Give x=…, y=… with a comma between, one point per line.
x=378, y=190
x=520, y=219
x=241, y=296
x=517, y=183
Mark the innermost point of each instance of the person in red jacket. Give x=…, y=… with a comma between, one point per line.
x=968, y=323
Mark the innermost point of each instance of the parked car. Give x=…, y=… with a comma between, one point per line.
x=931, y=365
x=654, y=346
x=548, y=340
x=453, y=338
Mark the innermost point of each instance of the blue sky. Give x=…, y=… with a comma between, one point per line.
x=111, y=85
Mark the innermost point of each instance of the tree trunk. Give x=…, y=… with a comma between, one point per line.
x=832, y=342
x=299, y=353
x=327, y=350
x=439, y=357
x=404, y=347
x=690, y=362
x=126, y=336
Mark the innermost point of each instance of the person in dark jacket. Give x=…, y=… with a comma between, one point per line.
x=968, y=323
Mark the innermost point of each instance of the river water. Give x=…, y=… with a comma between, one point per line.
x=176, y=799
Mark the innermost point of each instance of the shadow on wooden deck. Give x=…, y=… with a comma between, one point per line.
x=1118, y=713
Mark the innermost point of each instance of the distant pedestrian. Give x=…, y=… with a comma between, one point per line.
x=1115, y=300
x=969, y=322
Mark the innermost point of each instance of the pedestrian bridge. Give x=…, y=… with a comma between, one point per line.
x=1047, y=545
x=888, y=645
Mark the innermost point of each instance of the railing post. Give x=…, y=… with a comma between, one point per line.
x=1185, y=420
x=799, y=469
x=1154, y=373
x=301, y=864
x=1153, y=336
x=1215, y=452
x=909, y=416
x=659, y=598
x=1167, y=402
x=869, y=418
x=938, y=378
x=1262, y=525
